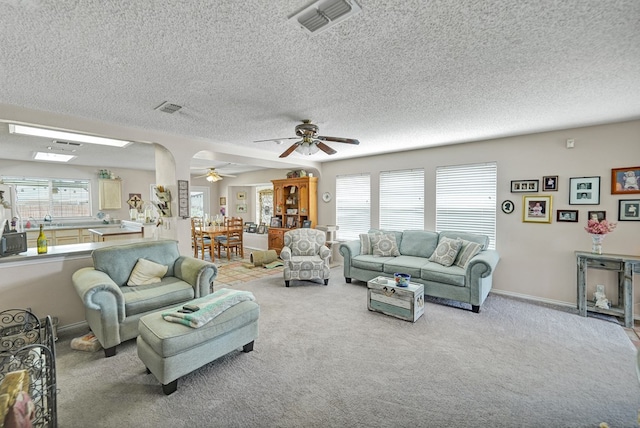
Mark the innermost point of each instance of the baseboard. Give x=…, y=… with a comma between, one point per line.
x=545, y=301
x=534, y=298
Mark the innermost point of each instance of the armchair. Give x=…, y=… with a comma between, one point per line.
x=305, y=255
x=113, y=308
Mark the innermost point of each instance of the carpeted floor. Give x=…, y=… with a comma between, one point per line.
x=323, y=360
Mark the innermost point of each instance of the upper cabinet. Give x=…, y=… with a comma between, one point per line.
x=110, y=192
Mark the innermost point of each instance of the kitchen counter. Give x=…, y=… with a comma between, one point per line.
x=113, y=233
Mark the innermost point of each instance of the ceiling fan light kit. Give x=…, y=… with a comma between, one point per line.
x=311, y=142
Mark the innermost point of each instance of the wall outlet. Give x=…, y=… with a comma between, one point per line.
x=571, y=143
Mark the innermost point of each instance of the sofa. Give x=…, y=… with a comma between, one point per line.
x=463, y=274
x=129, y=281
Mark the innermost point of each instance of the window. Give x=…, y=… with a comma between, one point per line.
x=402, y=199
x=353, y=205
x=466, y=199
x=265, y=202
x=59, y=198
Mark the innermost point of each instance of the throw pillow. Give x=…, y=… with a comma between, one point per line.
x=468, y=249
x=384, y=245
x=446, y=251
x=365, y=244
x=146, y=272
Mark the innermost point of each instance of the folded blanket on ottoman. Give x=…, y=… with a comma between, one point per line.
x=210, y=307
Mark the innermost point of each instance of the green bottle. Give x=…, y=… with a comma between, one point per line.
x=42, y=242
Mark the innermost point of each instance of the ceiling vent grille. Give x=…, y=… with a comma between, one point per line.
x=67, y=143
x=168, y=107
x=324, y=14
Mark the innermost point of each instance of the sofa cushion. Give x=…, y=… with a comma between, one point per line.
x=144, y=298
x=369, y=262
x=435, y=272
x=118, y=261
x=473, y=237
x=146, y=272
x=446, y=251
x=384, y=245
x=468, y=249
x=405, y=264
x=419, y=243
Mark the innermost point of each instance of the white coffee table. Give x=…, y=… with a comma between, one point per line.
x=384, y=296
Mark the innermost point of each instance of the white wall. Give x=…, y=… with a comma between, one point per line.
x=536, y=259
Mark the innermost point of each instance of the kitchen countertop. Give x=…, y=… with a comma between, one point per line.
x=108, y=231
x=57, y=251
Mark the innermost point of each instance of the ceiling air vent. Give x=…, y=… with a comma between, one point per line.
x=67, y=143
x=168, y=107
x=324, y=14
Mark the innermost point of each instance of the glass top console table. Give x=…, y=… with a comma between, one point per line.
x=624, y=265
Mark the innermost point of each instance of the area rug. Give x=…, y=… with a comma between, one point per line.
x=323, y=360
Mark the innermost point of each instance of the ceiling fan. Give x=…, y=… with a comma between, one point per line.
x=311, y=142
x=213, y=175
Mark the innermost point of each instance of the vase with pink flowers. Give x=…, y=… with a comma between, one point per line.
x=598, y=229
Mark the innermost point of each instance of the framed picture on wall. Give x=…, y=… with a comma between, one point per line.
x=536, y=209
x=524, y=186
x=629, y=210
x=567, y=215
x=597, y=215
x=241, y=208
x=241, y=196
x=223, y=201
x=625, y=180
x=550, y=183
x=584, y=191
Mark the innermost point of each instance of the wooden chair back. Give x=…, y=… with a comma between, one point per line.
x=233, y=238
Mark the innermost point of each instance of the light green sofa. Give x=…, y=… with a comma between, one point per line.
x=469, y=285
x=113, y=309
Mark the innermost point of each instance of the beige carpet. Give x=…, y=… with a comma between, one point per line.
x=323, y=360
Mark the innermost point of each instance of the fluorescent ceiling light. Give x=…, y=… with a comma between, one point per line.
x=52, y=157
x=62, y=135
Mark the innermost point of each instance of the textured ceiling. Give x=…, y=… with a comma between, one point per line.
x=397, y=76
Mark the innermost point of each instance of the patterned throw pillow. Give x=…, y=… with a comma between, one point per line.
x=384, y=245
x=446, y=251
x=468, y=249
x=365, y=244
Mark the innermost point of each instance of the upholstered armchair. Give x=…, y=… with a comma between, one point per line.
x=129, y=281
x=305, y=255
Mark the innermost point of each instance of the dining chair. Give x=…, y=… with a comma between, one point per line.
x=201, y=242
x=232, y=239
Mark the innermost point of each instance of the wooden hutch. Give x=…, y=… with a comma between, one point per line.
x=295, y=201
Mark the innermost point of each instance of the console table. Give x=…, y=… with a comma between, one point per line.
x=625, y=265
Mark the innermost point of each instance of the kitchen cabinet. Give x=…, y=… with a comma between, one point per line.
x=110, y=194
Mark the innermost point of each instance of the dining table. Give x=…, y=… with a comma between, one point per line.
x=212, y=232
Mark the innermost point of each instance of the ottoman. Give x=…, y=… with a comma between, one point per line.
x=170, y=350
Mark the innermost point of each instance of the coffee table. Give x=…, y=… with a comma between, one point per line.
x=406, y=303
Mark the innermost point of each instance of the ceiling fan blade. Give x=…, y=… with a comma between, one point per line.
x=276, y=139
x=322, y=146
x=227, y=175
x=338, y=139
x=290, y=150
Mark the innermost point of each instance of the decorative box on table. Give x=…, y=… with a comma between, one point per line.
x=384, y=296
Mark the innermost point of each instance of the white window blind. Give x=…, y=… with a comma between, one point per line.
x=402, y=199
x=466, y=199
x=353, y=205
x=59, y=198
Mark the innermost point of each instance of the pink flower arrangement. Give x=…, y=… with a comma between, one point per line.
x=600, y=227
